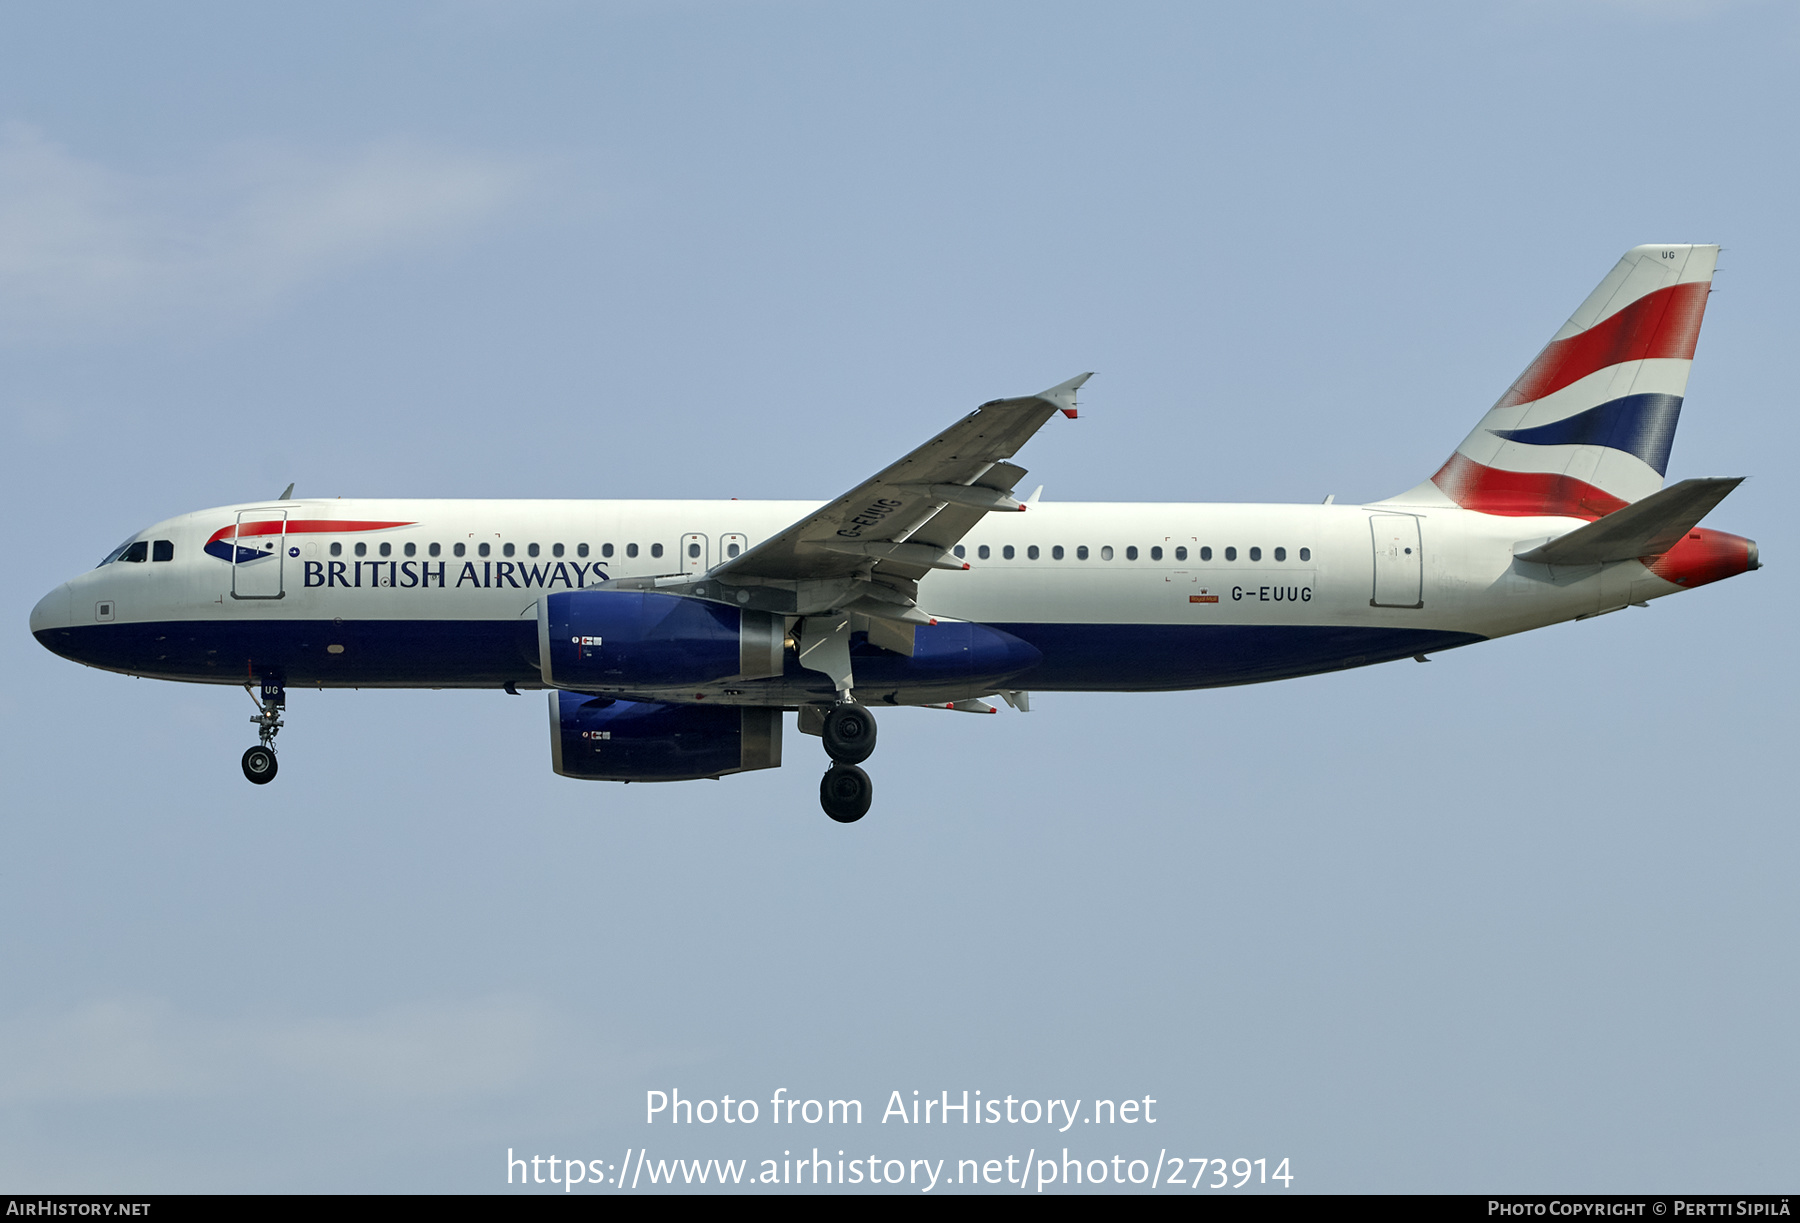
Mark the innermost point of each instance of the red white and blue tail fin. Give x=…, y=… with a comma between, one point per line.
x=1587, y=428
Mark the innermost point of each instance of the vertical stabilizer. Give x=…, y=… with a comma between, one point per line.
x=1587, y=428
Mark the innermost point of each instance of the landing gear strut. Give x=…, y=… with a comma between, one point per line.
x=846, y=791
x=259, y=762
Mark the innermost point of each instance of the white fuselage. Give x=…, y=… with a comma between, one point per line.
x=1120, y=596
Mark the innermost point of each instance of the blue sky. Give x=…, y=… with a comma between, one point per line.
x=1520, y=919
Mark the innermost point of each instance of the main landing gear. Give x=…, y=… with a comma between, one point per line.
x=259, y=762
x=846, y=791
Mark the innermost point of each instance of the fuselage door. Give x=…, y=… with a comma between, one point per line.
x=1399, y=563
x=693, y=554
x=258, y=553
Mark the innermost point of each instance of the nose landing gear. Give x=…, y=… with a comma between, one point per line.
x=845, y=791
x=259, y=762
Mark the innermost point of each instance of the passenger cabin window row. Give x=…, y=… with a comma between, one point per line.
x=557, y=551
x=1082, y=553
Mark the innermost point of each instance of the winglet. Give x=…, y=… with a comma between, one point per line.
x=1063, y=394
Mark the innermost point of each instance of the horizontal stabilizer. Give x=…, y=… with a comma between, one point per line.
x=1649, y=527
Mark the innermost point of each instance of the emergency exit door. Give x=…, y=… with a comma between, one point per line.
x=693, y=554
x=1399, y=563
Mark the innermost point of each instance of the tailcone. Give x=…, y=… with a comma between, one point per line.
x=1703, y=556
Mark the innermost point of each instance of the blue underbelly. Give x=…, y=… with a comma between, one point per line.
x=484, y=653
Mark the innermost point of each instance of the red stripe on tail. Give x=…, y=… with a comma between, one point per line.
x=1521, y=494
x=1665, y=323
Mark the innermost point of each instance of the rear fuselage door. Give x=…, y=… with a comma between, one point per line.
x=1399, y=563
x=258, y=554
x=693, y=554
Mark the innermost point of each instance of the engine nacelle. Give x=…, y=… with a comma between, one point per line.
x=597, y=739
x=639, y=638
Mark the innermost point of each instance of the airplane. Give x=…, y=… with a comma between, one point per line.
x=674, y=636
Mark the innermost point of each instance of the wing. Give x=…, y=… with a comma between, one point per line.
x=902, y=522
x=855, y=563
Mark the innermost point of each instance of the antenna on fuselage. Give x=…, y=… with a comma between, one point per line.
x=287, y=494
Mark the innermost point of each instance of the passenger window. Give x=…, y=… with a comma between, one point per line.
x=1306, y=554
x=337, y=549
x=458, y=549
x=1131, y=553
x=960, y=551
x=1081, y=552
x=1031, y=553
x=435, y=550
x=606, y=549
x=162, y=550
x=631, y=550
x=482, y=549
x=1206, y=553
x=694, y=551
x=1156, y=554
x=1256, y=554
x=1181, y=553
x=655, y=549
x=556, y=550
x=1007, y=552
x=1056, y=553
x=387, y=549
x=983, y=552
x=1106, y=552
x=1281, y=554
x=362, y=549
x=1231, y=554
x=138, y=552
x=581, y=550
x=506, y=549
x=412, y=549
x=531, y=549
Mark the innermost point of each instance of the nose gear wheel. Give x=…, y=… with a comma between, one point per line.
x=260, y=765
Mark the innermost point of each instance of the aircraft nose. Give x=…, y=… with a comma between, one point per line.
x=52, y=611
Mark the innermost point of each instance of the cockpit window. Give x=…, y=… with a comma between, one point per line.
x=116, y=553
x=138, y=551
